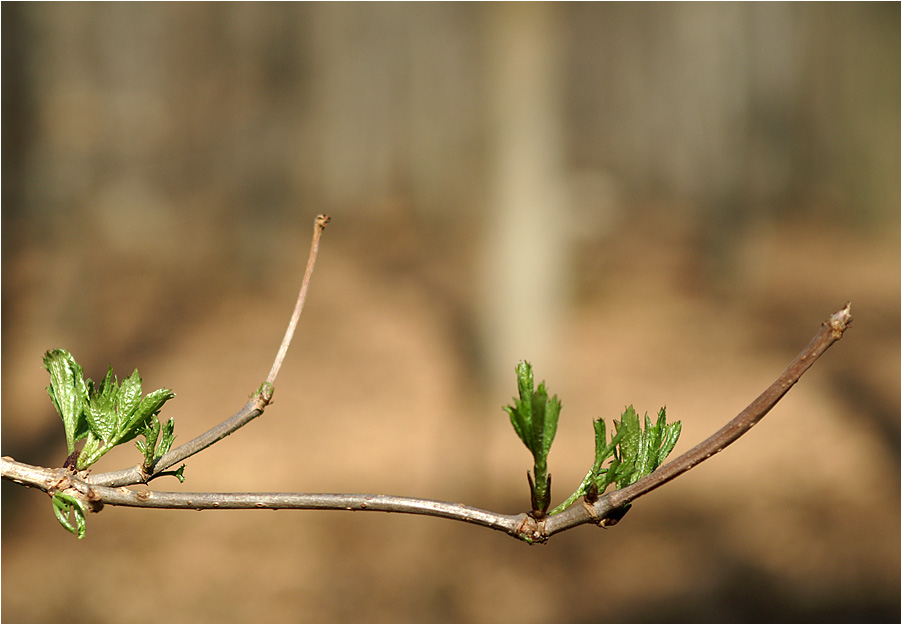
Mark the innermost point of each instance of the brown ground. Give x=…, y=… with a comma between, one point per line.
x=798, y=521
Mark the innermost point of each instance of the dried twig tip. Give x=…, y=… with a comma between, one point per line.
x=320, y=224
x=840, y=320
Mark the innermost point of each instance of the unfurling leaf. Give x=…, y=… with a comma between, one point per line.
x=168, y=437
x=63, y=506
x=158, y=439
x=148, y=446
x=534, y=416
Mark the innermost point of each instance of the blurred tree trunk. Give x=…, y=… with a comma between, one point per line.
x=525, y=228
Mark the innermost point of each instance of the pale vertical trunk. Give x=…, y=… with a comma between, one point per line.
x=525, y=225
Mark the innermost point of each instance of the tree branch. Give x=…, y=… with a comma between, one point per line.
x=830, y=332
x=140, y=475
x=606, y=511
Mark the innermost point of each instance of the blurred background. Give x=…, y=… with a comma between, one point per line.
x=654, y=204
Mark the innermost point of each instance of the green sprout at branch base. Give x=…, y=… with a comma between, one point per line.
x=534, y=417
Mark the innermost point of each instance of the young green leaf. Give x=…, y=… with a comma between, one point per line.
x=668, y=439
x=647, y=448
x=628, y=449
x=101, y=406
x=149, y=406
x=521, y=412
x=63, y=506
x=92, y=451
x=166, y=439
x=68, y=393
x=129, y=400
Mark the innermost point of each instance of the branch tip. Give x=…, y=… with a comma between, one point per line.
x=840, y=320
x=318, y=227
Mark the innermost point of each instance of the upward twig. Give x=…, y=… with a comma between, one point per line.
x=607, y=506
x=251, y=410
x=318, y=227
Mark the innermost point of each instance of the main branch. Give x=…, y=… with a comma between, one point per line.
x=52, y=480
x=606, y=510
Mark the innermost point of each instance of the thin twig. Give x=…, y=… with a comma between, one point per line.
x=318, y=227
x=253, y=409
x=830, y=332
x=140, y=475
x=605, y=511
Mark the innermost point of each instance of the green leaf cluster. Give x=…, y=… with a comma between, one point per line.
x=634, y=451
x=106, y=414
x=641, y=449
x=534, y=416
